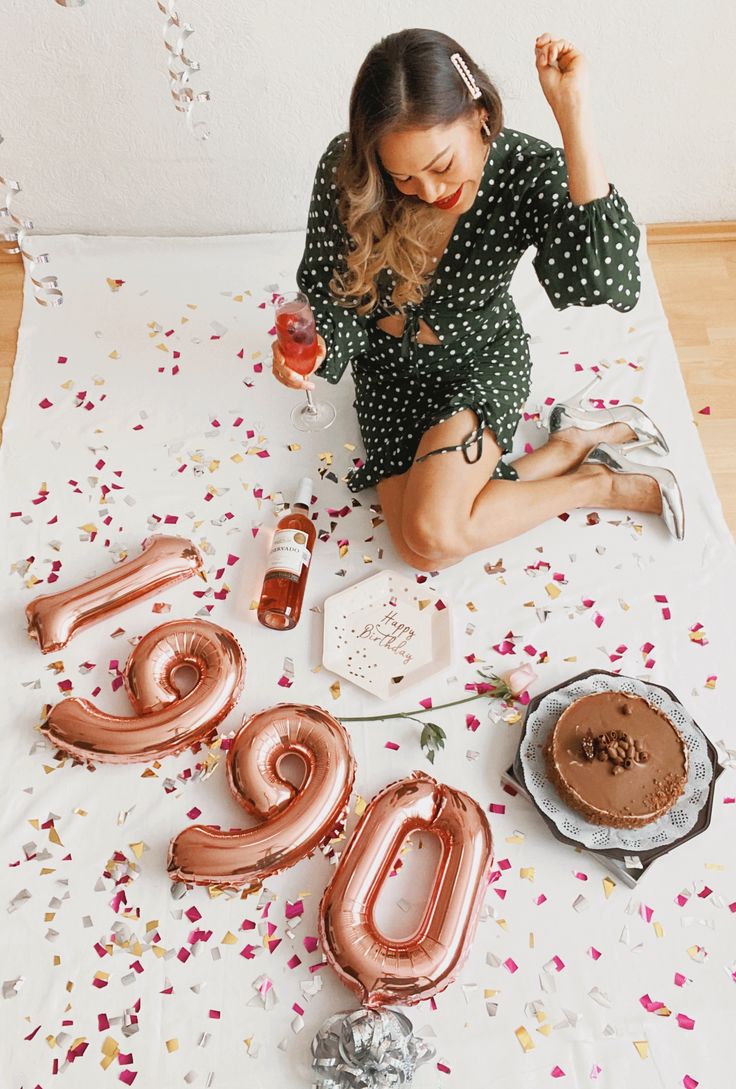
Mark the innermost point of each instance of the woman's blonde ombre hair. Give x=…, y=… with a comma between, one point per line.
x=406, y=81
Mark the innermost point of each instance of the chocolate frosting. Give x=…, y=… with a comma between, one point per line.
x=617, y=760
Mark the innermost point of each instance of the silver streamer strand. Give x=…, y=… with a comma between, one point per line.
x=13, y=232
x=181, y=68
x=367, y=1049
x=71, y=3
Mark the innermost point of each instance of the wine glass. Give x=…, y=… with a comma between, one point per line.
x=296, y=333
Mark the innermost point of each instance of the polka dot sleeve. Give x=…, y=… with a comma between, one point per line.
x=343, y=330
x=586, y=253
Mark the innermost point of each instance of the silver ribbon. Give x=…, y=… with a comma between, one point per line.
x=181, y=68
x=367, y=1049
x=13, y=232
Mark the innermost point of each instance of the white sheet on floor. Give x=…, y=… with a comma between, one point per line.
x=162, y=414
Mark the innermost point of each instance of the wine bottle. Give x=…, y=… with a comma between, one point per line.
x=281, y=599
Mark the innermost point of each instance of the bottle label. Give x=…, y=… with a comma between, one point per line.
x=289, y=555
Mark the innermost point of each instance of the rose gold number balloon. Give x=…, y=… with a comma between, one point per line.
x=382, y=971
x=165, y=722
x=54, y=618
x=293, y=822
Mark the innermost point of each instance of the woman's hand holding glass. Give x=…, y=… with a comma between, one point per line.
x=286, y=376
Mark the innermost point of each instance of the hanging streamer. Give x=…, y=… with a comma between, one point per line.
x=13, y=232
x=181, y=67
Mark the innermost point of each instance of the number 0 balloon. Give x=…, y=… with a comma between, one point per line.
x=382, y=971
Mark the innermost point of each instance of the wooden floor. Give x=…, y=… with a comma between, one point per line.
x=695, y=268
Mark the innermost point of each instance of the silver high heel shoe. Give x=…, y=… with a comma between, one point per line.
x=566, y=414
x=614, y=458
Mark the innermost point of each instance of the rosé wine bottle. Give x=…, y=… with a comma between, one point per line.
x=280, y=605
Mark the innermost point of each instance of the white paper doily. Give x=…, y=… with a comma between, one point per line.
x=669, y=828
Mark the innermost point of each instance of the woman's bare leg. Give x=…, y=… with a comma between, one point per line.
x=444, y=509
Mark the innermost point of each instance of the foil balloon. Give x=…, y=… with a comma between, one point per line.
x=293, y=821
x=53, y=619
x=382, y=971
x=165, y=722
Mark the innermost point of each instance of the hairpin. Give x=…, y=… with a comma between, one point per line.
x=466, y=75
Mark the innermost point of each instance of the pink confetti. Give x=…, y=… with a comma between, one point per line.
x=426, y=703
x=557, y=1072
x=690, y=1083
x=497, y=807
x=392, y=745
x=705, y=411
x=680, y=979
x=594, y=953
x=685, y=1022
x=511, y=965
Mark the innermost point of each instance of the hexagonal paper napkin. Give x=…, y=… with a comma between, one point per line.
x=386, y=633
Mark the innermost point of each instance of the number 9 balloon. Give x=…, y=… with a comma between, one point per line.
x=165, y=722
x=293, y=821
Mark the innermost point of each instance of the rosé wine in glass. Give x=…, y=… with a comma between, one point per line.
x=296, y=333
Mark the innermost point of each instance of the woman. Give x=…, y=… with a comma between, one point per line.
x=419, y=216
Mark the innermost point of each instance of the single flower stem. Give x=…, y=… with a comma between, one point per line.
x=420, y=710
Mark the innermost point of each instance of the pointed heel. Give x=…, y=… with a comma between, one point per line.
x=615, y=459
x=566, y=414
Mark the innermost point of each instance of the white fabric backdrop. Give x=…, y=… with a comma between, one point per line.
x=162, y=416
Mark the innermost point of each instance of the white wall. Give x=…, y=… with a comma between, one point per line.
x=92, y=135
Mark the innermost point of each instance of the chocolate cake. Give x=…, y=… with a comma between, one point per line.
x=617, y=760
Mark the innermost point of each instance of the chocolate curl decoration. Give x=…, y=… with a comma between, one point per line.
x=181, y=67
x=13, y=232
x=293, y=821
x=53, y=619
x=367, y=1049
x=383, y=971
x=165, y=722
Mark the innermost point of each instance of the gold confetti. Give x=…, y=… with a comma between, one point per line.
x=658, y=930
x=423, y=603
x=608, y=886
x=335, y=690
x=229, y=939
x=172, y=1045
x=526, y=873
x=516, y=838
x=471, y=607
x=552, y=589
x=545, y=1029
x=527, y=1044
x=360, y=806
x=294, y=447
x=642, y=1046
x=349, y=446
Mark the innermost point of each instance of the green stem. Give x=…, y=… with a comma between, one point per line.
x=420, y=710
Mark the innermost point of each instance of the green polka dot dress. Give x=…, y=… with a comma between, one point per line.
x=586, y=255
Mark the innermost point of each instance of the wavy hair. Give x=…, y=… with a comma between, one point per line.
x=406, y=81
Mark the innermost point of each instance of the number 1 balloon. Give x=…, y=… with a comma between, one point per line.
x=53, y=619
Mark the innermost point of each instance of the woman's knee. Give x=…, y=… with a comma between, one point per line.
x=428, y=533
